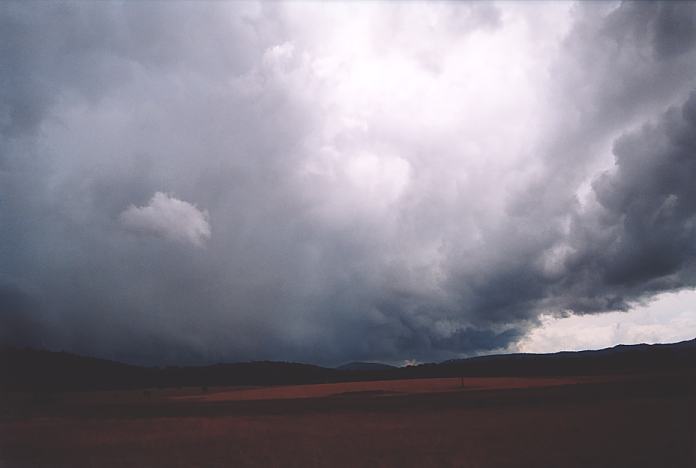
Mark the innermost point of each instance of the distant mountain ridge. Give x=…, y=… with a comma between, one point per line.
x=30, y=369
x=365, y=366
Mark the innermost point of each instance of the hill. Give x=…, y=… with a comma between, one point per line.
x=29, y=369
x=365, y=366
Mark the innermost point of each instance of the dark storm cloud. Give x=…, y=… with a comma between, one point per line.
x=19, y=325
x=178, y=183
x=674, y=28
x=639, y=238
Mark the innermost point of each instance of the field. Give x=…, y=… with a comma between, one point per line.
x=610, y=421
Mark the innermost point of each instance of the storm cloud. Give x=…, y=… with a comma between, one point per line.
x=195, y=182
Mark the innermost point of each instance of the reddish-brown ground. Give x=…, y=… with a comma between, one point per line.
x=640, y=421
x=386, y=387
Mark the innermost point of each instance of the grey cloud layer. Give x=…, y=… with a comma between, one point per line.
x=197, y=182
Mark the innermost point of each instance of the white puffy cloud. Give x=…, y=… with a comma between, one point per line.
x=168, y=217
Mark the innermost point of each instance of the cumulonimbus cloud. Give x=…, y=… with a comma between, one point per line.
x=170, y=218
x=422, y=181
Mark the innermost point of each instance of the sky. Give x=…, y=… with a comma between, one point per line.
x=186, y=183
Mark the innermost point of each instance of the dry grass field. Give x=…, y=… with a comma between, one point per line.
x=637, y=421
